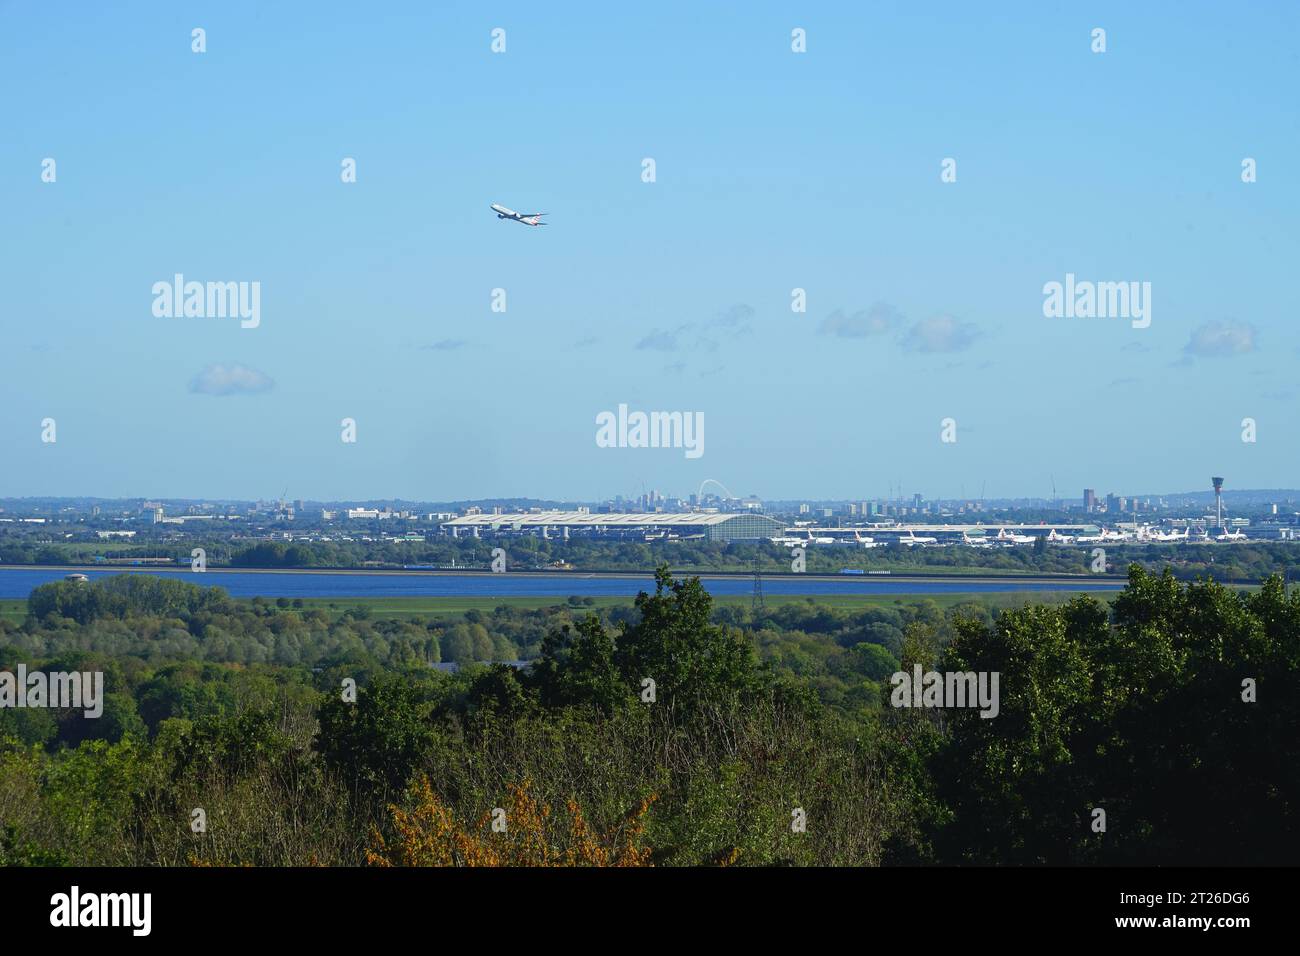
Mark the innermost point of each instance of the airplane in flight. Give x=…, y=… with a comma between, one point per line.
x=527, y=218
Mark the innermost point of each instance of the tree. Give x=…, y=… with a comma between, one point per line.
x=1149, y=720
x=873, y=661
x=378, y=741
x=577, y=667
x=1017, y=792
x=497, y=693
x=691, y=661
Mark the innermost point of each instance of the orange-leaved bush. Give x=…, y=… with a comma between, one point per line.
x=430, y=834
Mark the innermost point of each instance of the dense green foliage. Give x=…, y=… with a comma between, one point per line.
x=244, y=711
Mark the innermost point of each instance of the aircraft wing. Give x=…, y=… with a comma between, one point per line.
x=530, y=215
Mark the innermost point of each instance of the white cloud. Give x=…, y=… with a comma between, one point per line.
x=232, y=379
x=880, y=318
x=1217, y=339
x=943, y=333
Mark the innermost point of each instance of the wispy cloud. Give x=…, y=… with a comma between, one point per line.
x=231, y=379
x=1218, y=339
x=445, y=345
x=877, y=320
x=734, y=321
x=942, y=333
x=659, y=341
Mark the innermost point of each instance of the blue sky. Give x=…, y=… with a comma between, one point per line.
x=775, y=171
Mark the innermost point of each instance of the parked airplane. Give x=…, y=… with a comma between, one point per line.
x=527, y=218
x=980, y=542
x=1167, y=536
x=1005, y=538
x=912, y=539
x=1054, y=538
x=1231, y=536
x=797, y=541
x=857, y=541
x=1097, y=538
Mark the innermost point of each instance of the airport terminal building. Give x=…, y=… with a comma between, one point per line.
x=707, y=525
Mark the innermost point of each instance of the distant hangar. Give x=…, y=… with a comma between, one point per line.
x=710, y=526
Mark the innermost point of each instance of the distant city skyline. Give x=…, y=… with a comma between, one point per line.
x=929, y=186
x=1253, y=496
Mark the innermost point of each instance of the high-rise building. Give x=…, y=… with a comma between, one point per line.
x=1089, y=500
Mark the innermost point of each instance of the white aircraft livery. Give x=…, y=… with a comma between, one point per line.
x=527, y=218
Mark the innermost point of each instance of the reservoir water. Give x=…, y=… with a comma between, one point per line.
x=19, y=582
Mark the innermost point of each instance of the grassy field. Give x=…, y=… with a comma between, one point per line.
x=13, y=610
x=390, y=607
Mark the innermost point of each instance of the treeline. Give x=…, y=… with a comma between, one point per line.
x=160, y=619
x=669, y=736
x=1237, y=562
x=841, y=654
